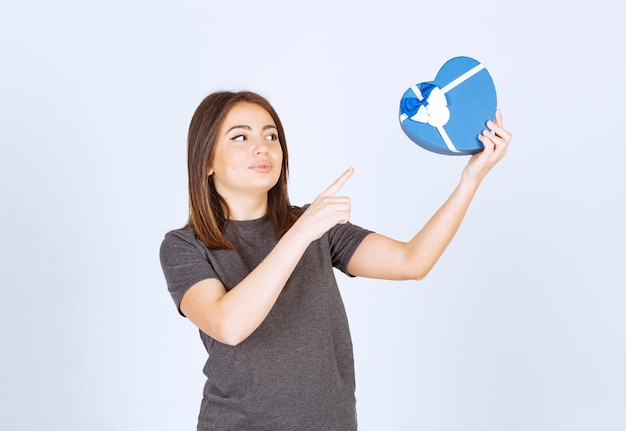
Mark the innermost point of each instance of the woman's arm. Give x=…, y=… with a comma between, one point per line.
x=231, y=316
x=381, y=257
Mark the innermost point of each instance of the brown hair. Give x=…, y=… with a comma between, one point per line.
x=208, y=211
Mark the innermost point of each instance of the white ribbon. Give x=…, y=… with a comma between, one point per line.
x=435, y=112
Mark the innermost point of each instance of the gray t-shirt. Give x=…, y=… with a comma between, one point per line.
x=296, y=371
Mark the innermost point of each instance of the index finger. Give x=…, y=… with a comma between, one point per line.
x=499, y=118
x=496, y=122
x=497, y=128
x=339, y=182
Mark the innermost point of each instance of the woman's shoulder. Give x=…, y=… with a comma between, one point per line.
x=185, y=234
x=186, y=230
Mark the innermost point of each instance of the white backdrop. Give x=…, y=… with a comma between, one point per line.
x=521, y=324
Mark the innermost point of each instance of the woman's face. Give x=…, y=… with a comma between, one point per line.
x=247, y=156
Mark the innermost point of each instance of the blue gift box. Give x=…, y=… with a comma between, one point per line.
x=446, y=115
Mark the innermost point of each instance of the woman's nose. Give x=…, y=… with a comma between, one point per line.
x=261, y=147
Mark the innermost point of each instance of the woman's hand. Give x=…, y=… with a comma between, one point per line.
x=326, y=211
x=496, y=142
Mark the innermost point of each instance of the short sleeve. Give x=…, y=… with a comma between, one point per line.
x=185, y=262
x=344, y=240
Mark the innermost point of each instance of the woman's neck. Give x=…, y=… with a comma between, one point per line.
x=246, y=208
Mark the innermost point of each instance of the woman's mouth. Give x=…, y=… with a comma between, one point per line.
x=262, y=167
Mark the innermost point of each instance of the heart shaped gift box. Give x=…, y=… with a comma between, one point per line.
x=446, y=115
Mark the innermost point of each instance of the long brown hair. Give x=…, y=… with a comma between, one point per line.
x=208, y=211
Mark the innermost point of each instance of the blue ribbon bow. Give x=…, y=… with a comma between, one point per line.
x=411, y=105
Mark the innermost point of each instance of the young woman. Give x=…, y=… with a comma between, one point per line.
x=255, y=274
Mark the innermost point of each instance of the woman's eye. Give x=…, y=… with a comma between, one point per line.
x=239, y=138
x=272, y=137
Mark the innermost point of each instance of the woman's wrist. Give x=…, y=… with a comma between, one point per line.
x=469, y=182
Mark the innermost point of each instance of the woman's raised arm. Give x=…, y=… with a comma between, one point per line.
x=381, y=257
